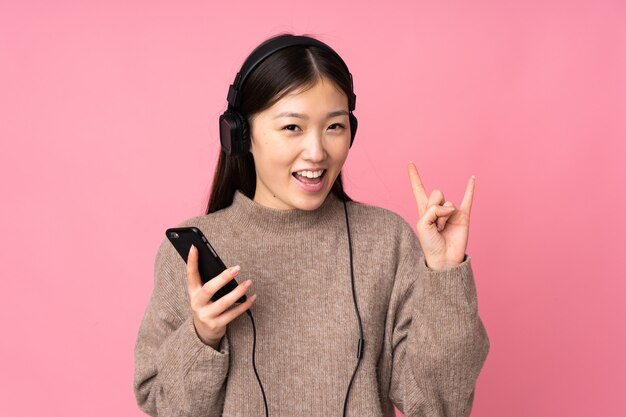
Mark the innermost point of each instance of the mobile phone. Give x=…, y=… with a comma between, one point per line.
x=209, y=263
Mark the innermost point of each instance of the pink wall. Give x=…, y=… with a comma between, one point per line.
x=109, y=135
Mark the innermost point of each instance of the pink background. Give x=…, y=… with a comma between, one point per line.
x=109, y=131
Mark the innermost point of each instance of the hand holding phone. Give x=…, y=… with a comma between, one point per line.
x=208, y=293
x=211, y=318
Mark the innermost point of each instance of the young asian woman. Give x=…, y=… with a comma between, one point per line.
x=278, y=213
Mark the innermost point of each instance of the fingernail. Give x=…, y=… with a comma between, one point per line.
x=448, y=208
x=191, y=248
x=235, y=269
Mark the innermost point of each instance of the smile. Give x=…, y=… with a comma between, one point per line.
x=311, y=182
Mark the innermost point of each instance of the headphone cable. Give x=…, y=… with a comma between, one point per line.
x=248, y=312
x=361, y=341
x=360, y=346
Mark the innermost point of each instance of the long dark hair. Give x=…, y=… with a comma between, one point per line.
x=278, y=75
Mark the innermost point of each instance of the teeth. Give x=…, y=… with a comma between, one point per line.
x=310, y=174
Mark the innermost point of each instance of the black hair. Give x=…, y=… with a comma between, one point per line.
x=279, y=74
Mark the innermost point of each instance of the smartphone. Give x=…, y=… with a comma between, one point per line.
x=209, y=264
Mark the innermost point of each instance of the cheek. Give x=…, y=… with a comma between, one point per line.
x=339, y=151
x=272, y=160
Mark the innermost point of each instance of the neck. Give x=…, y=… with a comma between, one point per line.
x=251, y=214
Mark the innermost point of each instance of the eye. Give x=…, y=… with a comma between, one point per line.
x=290, y=126
x=341, y=126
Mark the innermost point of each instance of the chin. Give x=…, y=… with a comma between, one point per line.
x=310, y=202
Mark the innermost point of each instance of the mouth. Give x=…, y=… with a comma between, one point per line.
x=307, y=180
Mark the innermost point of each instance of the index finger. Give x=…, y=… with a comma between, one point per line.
x=418, y=188
x=213, y=285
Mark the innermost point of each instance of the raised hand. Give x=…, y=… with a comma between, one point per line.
x=442, y=229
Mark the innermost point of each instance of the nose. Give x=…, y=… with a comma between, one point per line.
x=314, y=149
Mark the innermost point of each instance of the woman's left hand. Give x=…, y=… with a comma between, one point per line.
x=442, y=229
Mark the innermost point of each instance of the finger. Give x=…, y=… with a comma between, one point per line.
x=436, y=198
x=221, y=305
x=466, y=204
x=441, y=221
x=234, y=312
x=213, y=285
x=429, y=220
x=193, y=276
x=418, y=189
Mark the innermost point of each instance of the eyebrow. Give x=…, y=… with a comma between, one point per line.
x=305, y=117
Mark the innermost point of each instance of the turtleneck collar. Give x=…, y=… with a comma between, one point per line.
x=249, y=213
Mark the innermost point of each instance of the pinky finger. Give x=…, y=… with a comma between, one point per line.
x=231, y=314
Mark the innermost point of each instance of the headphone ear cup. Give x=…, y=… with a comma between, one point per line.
x=234, y=133
x=353, y=125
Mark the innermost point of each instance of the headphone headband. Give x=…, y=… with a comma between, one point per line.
x=268, y=48
x=234, y=128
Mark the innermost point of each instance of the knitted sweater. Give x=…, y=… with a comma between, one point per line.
x=424, y=341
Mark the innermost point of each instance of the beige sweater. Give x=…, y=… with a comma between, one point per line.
x=424, y=341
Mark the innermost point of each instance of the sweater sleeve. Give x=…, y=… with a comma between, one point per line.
x=176, y=374
x=439, y=343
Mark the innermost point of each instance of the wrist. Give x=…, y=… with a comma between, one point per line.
x=209, y=342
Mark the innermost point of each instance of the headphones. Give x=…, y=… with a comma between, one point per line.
x=234, y=129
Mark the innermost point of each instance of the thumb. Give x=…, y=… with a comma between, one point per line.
x=193, y=275
x=434, y=212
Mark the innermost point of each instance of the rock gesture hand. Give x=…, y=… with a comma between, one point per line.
x=442, y=229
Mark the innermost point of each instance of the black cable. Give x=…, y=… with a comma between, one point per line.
x=360, y=344
x=254, y=363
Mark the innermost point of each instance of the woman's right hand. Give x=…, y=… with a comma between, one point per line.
x=210, y=317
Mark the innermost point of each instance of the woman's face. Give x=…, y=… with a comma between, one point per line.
x=304, y=131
